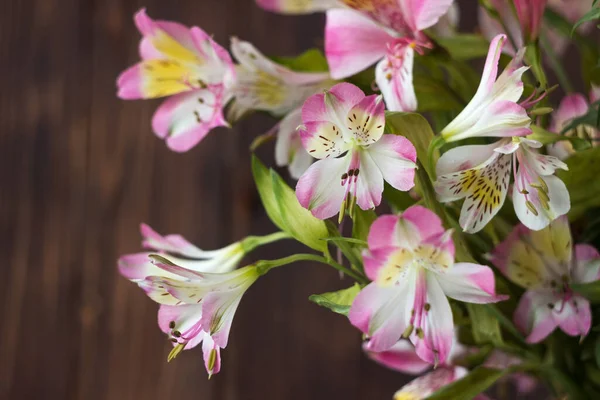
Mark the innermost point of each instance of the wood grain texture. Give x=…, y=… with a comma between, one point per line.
x=80, y=169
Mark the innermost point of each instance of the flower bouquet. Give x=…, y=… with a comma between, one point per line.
x=478, y=272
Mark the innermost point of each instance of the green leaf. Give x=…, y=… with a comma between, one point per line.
x=546, y=137
x=591, y=15
x=463, y=46
x=474, y=383
x=311, y=60
x=351, y=252
x=590, y=291
x=582, y=181
x=533, y=56
x=434, y=95
x=283, y=208
x=485, y=326
x=338, y=302
x=416, y=129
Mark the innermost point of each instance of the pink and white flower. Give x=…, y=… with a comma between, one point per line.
x=386, y=33
x=262, y=84
x=493, y=111
x=481, y=175
x=411, y=263
x=401, y=357
x=508, y=21
x=426, y=385
x=359, y=34
x=187, y=65
x=198, y=290
x=572, y=106
x=545, y=263
x=343, y=128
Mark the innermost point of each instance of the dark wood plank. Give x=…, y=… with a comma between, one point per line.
x=81, y=169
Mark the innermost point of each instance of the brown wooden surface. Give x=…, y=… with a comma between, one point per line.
x=81, y=169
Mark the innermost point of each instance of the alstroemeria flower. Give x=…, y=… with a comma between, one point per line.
x=262, y=84
x=493, y=111
x=360, y=33
x=509, y=22
x=388, y=32
x=195, y=306
x=530, y=14
x=183, y=253
x=424, y=386
x=411, y=263
x=481, y=175
x=401, y=357
x=571, y=107
x=288, y=146
x=545, y=263
x=190, y=273
x=343, y=128
x=188, y=65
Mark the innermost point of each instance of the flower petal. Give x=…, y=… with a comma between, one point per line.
x=436, y=323
x=353, y=42
x=333, y=105
x=381, y=312
x=533, y=315
x=424, y=386
x=184, y=319
x=366, y=120
x=323, y=139
x=422, y=14
x=320, y=188
x=484, y=185
x=262, y=84
x=573, y=316
x=471, y=283
x=289, y=150
x=400, y=357
x=587, y=264
x=394, y=77
x=185, y=119
x=218, y=310
x=396, y=158
x=533, y=210
x=212, y=355
x=369, y=185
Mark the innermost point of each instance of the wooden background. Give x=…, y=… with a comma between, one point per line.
x=80, y=169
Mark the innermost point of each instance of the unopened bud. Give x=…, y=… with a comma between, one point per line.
x=541, y=111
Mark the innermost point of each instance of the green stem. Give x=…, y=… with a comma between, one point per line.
x=556, y=65
x=252, y=242
x=265, y=266
x=436, y=143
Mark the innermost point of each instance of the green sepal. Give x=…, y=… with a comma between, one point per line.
x=338, y=302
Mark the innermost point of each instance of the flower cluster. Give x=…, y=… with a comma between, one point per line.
x=463, y=295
